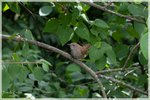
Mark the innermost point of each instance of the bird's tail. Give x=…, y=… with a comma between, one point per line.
x=85, y=48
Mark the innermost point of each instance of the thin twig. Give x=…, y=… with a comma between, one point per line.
x=115, y=13
x=130, y=54
x=109, y=70
x=64, y=54
x=108, y=4
x=44, y=92
x=112, y=70
x=34, y=18
x=122, y=83
x=22, y=62
x=26, y=9
x=136, y=66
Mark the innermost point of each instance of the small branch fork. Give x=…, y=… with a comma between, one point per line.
x=130, y=54
x=122, y=83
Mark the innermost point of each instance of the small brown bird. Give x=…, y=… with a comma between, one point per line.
x=77, y=51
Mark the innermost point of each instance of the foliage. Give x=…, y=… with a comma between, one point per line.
x=51, y=75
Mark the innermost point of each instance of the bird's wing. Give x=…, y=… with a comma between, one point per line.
x=85, y=49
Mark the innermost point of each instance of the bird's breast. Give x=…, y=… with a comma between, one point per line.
x=76, y=53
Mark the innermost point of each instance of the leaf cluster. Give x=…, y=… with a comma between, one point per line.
x=59, y=23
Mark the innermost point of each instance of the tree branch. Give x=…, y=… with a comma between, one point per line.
x=108, y=4
x=135, y=66
x=34, y=18
x=112, y=70
x=130, y=54
x=115, y=13
x=122, y=83
x=65, y=54
x=12, y=62
x=109, y=70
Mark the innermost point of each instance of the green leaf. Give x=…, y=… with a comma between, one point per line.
x=81, y=91
x=76, y=76
x=79, y=7
x=14, y=70
x=31, y=76
x=65, y=19
x=62, y=94
x=51, y=26
x=111, y=57
x=50, y=89
x=75, y=14
x=85, y=7
x=104, y=34
x=138, y=10
x=94, y=39
x=45, y=67
x=110, y=53
x=43, y=84
x=25, y=49
x=121, y=51
x=38, y=73
x=142, y=79
x=95, y=30
x=96, y=95
x=14, y=7
x=73, y=68
x=6, y=7
x=133, y=9
x=28, y=34
x=15, y=57
x=56, y=85
x=97, y=44
x=74, y=38
x=100, y=23
x=13, y=36
x=100, y=63
x=5, y=79
x=123, y=7
x=64, y=34
x=22, y=75
x=142, y=59
x=46, y=62
x=95, y=53
x=133, y=32
x=139, y=27
x=25, y=89
x=45, y=10
x=84, y=17
x=82, y=31
x=8, y=95
x=117, y=36
x=144, y=45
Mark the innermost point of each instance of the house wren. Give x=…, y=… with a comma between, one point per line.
x=77, y=51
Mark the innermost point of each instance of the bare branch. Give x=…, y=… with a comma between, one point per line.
x=135, y=66
x=108, y=4
x=122, y=83
x=12, y=62
x=109, y=70
x=115, y=13
x=64, y=54
x=130, y=54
